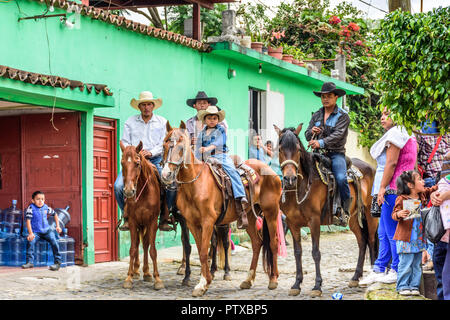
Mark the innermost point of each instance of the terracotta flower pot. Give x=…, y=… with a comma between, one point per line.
x=295, y=61
x=257, y=46
x=287, y=57
x=275, y=52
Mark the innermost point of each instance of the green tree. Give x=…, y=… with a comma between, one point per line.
x=414, y=52
x=316, y=32
x=211, y=19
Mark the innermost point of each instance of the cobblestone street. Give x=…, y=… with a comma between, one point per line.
x=104, y=280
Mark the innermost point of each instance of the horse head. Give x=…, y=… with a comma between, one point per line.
x=176, y=152
x=131, y=168
x=291, y=155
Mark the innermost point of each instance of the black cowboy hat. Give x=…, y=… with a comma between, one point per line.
x=201, y=95
x=328, y=87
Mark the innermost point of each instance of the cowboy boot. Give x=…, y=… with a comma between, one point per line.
x=164, y=219
x=124, y=226
x=341, y=219
x=241, y=206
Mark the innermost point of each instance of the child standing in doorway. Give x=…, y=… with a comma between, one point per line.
x=37, y=225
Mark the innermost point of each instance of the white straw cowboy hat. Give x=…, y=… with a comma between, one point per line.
x=146, y=96
x=211, y=110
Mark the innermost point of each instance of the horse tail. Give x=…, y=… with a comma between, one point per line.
x=222, y=234
x=267, y=252
x=142, y=232
x=221, y=252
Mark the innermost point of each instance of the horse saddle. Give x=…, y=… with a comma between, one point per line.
x=354, y=175
x=247, y=174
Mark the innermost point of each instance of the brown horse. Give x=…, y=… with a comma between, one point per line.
x=142, y=204
x=305, y=198
x=200, y=202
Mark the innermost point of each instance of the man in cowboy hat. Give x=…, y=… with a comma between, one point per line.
x=151, y=130
x=193, y=124
x=328, y=130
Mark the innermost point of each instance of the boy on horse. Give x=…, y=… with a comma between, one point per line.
x=193, y=124
x=211, y=142
x=151, y=130
x=328, y=130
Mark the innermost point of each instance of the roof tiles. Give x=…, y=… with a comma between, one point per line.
x=120, y=21
x=51, y=81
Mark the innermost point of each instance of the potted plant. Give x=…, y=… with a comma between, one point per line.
x=257, y=43
x=275, y=48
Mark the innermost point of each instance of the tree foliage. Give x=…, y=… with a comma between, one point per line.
x=312, y=31
x=211, y=19
x=414, y=52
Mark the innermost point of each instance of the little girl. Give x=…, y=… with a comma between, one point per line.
x=211, y=142
x=409, y=235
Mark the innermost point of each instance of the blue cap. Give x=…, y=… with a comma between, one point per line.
x=14, y=202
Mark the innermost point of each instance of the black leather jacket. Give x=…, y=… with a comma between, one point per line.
x=334, y=133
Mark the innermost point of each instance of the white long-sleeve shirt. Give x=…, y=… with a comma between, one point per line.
x=151, y=133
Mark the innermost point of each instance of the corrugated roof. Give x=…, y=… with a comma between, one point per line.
x=52, y=81
x=120, y=21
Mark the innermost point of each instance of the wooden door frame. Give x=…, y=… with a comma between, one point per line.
x=113, y=129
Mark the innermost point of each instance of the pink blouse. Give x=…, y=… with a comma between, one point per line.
x=406, y=161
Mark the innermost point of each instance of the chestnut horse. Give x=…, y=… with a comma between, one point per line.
x=306, y=196
x=200, y=202
x=142, y=204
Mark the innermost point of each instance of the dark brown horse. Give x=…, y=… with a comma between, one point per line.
x=142, y=204
x=305, y=198
x=200, y=202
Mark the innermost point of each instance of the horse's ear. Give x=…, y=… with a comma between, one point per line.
x=182, y=125
x=122, y=146
x=139, y=147
x=278, y=130
x=299, y=128
x=168, y=127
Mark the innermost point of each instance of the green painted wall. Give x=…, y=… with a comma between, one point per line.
x=128, y=62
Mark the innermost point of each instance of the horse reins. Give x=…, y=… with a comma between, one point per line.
x=283, y=195
x=178, y=165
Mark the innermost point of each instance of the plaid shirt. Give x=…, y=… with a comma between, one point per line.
x=426, y=146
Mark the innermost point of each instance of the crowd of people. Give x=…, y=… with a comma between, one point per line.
x=412, y=173
x=411, y=169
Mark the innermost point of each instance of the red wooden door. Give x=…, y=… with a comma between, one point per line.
x=51, y=163
x=10, y=146
x=105, y=233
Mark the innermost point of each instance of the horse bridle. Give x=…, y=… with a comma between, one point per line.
x=283, y=194
x=178, y=164
x=137, y=181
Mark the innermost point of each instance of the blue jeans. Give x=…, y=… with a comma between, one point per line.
x=118, y=185
x=409, y=271
x=339, y=168
x=439, y=253
x=386, y=230
x=230, y=169
x=48, y=236
x=446, y=275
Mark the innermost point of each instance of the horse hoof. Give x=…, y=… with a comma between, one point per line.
x=136, y=275
x=127, y=284
x=159, y=285
x=147, y=278
x=353, y=283
x=181, y=271
x=294, y=292
x=198, y=292
x=227, y=277
x=315, y=293
x=186, y=283
x=246, y=285
x=273, y=285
